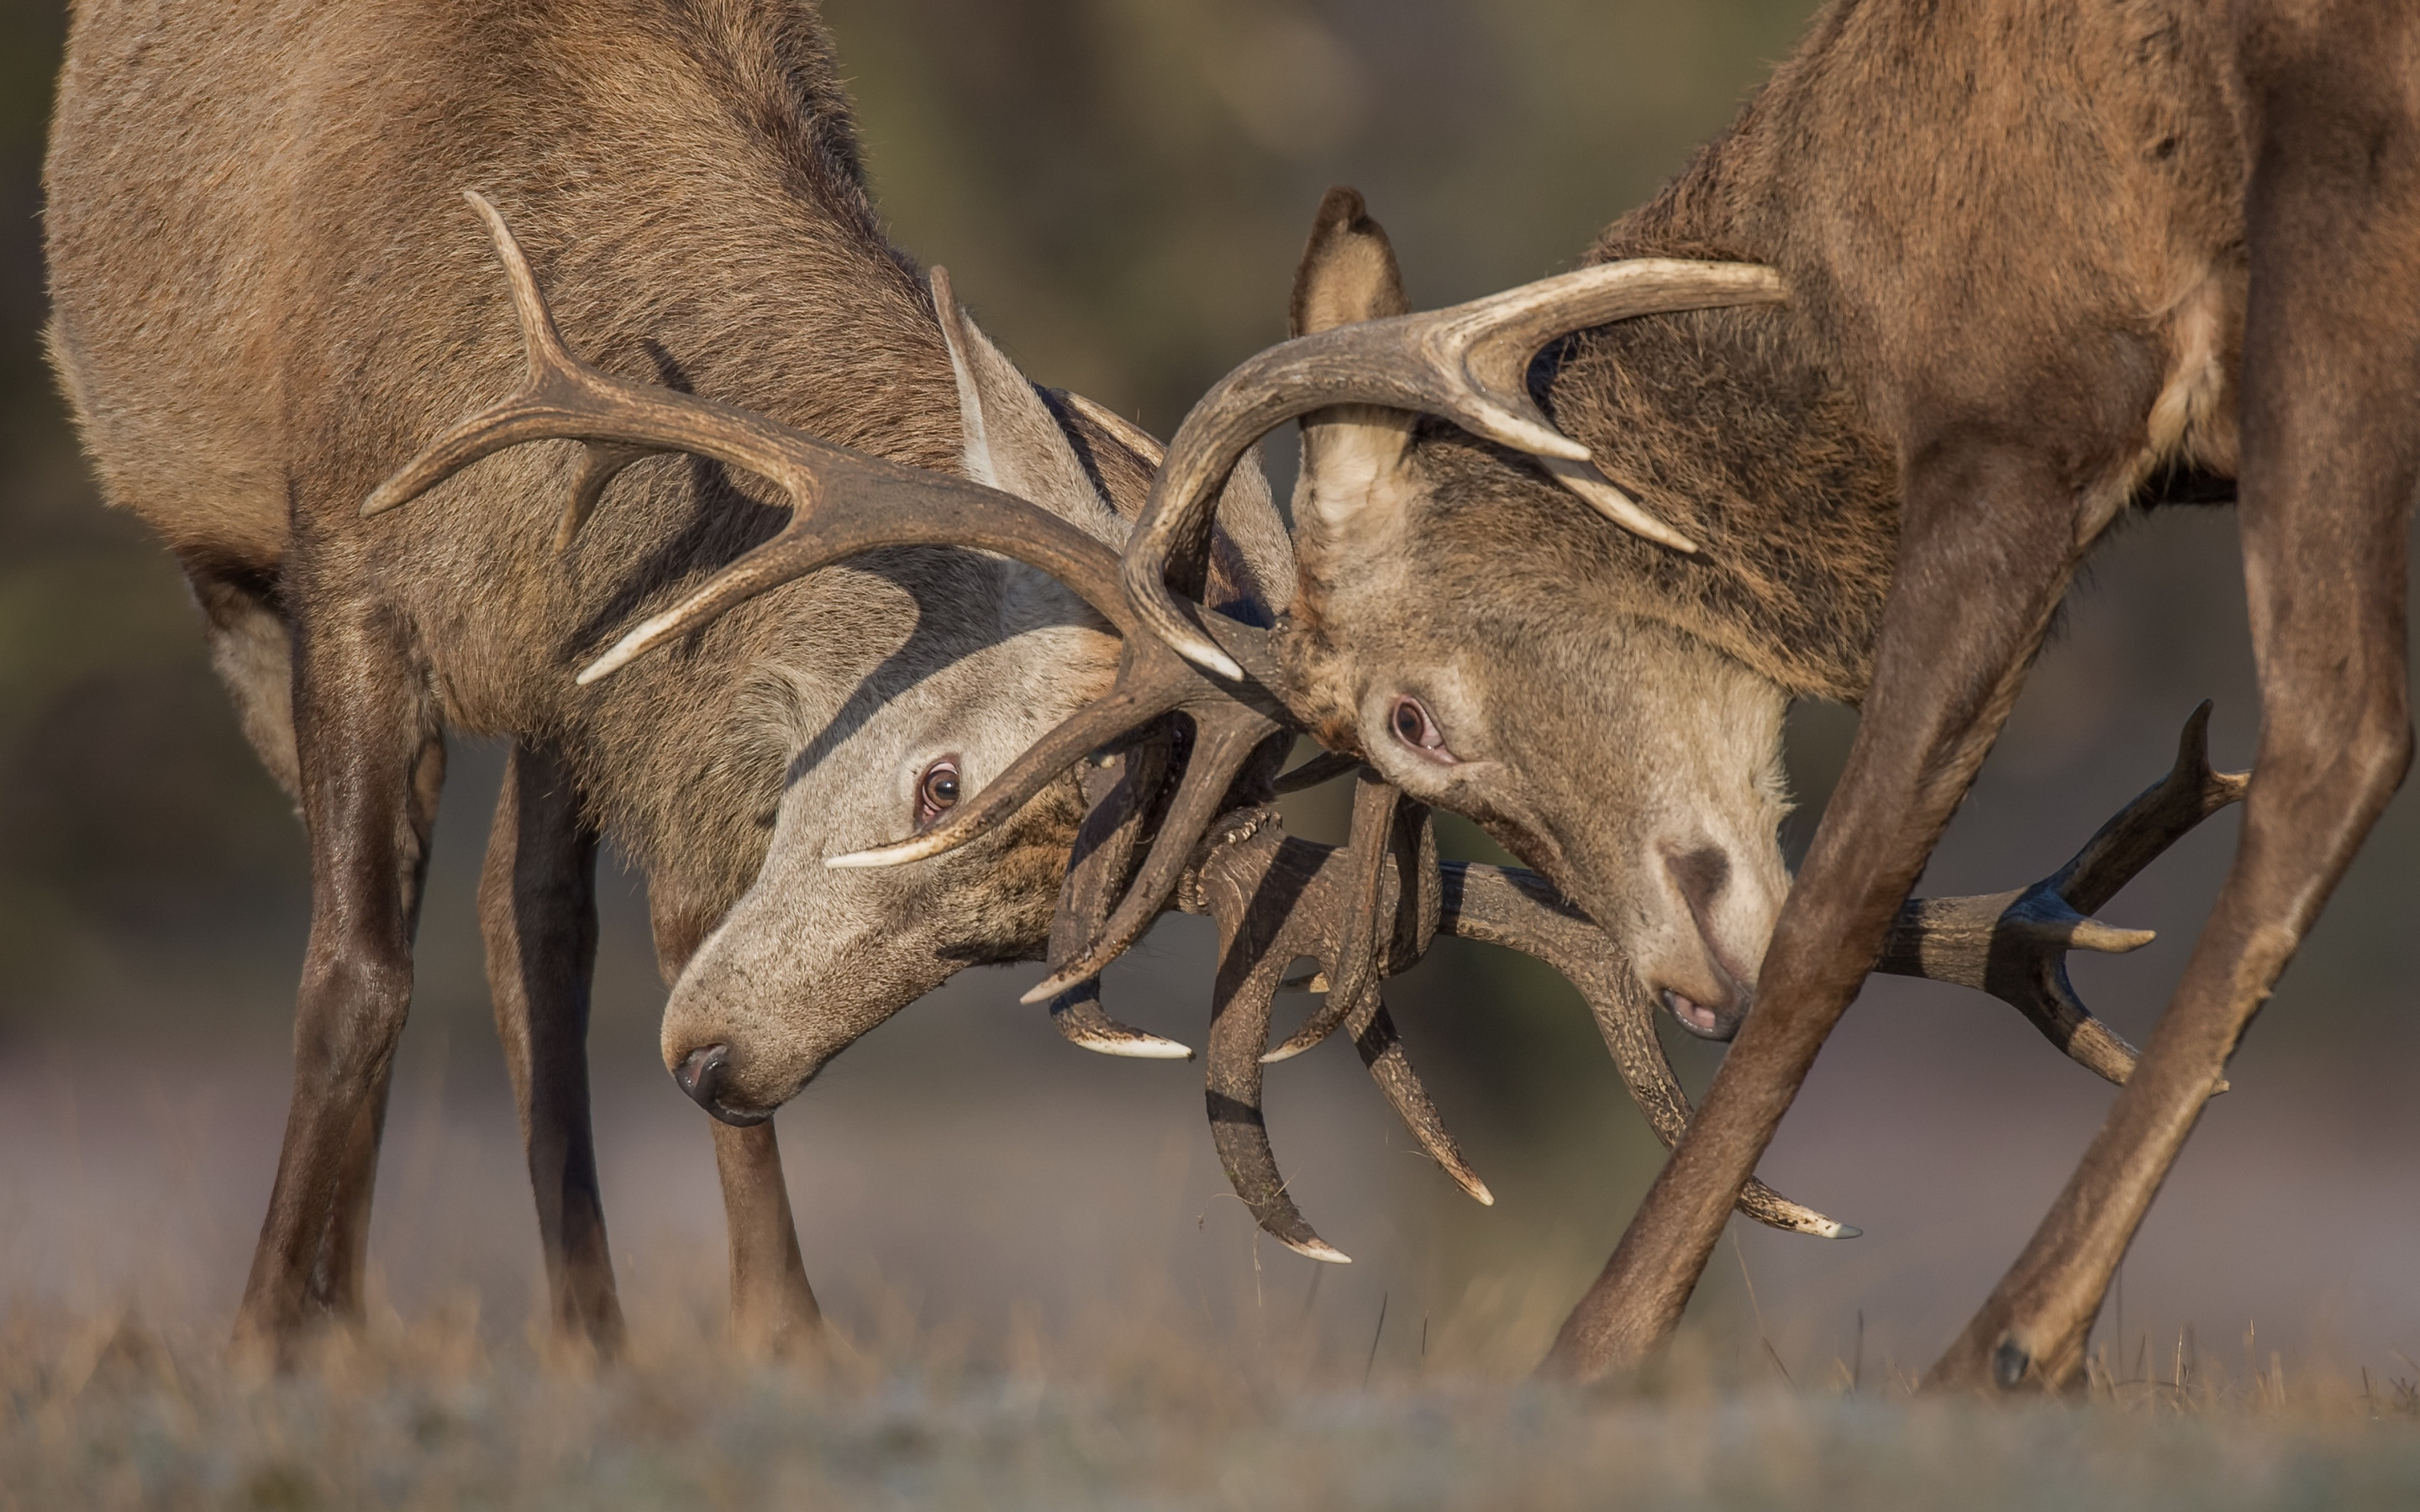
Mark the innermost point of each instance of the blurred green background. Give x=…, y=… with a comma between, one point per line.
x=1121, y=188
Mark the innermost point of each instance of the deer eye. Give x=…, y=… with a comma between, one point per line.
x=937, y=791
x=1418, y=732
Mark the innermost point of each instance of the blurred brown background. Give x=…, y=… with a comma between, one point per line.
x=1121, y=187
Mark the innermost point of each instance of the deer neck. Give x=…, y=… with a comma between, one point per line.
x=1727, y=423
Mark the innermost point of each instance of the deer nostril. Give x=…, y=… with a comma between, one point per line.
x=1702, y=875
x=703, y=1073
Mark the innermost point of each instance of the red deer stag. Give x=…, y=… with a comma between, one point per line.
x=267, y=296
x=1848, y=403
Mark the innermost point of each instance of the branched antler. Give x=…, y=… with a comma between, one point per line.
x=1118, y=788
x=1276, y=899
x=844, y=502
x=2014, y=945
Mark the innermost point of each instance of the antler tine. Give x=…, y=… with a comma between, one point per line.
x=1467, y=363
x=555, y=386
x=1255, y=902
x=1119, y=787
x=1274, y=900
x=1382, y=1052
x=1325, y=767
x=1520, y=910
x=1388, y=871
x=1141, y=443
x=2014, y=945
x=1354, y=968
x=2163, y=814
x=1224, y=739
x=844, y=502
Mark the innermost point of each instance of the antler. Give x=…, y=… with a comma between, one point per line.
x=1469, y=363
x=1375, y=840
x=1275, y=898
x=844, y=502
x=2014, y=945
x=1119, y=786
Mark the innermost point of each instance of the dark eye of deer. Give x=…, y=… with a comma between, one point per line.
x=1418, y=732
x=937, y=791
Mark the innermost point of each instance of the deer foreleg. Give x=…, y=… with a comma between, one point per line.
x=370, y=765
x=537, y=914
x=773, y=1308
x=2330, y=460
x=1986, y=550
x=339, y=1274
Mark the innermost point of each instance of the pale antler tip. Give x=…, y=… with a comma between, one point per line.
x=2092, y=934
x=1502, y=426
x=1041, y=991
x=1608, y=497
x=1285, y=1052
x=625, y=651
x=1317, y=1249
x=1142, y=1047
x=1205, y=655
x=898, y=854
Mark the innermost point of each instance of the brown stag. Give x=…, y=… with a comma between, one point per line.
x=267, y=296
x=1849, y=403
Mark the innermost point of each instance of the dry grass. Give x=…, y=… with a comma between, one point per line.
x=105, y=1410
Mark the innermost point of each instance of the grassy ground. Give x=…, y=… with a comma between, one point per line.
x=104, y=1410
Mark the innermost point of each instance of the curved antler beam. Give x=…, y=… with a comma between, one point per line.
x=1467, y=363
x=1119, y=786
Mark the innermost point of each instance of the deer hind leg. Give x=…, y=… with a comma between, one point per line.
x=1986, y=550
x=537, y=914
x=773, y=1308
x=370, y=765
x=2331, y=458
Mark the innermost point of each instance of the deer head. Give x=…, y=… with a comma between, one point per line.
x=1637, y=764
x=906, y=689
x=1633, y=761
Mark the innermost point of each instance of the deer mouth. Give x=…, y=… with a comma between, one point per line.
x=1694, y=1016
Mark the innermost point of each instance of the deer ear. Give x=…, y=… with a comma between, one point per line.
x=1013, y=441
x=1347, y=272
x=1354, y=484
